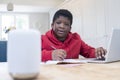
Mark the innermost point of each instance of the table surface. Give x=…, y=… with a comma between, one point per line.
x=85, y=71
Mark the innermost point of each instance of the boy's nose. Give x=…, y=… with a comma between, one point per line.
x=62, y=25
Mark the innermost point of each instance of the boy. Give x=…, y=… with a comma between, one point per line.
x=59, y=43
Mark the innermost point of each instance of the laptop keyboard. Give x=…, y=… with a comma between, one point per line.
x=101, y=59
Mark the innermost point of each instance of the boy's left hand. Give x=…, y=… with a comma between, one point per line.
x=100, y=53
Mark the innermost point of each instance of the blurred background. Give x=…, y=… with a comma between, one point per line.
x=92, y=19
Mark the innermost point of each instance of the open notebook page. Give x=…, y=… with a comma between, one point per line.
x=67, y=61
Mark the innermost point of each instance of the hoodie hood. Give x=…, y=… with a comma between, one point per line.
x=54, y=40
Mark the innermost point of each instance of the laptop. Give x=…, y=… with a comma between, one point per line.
x=113, y=51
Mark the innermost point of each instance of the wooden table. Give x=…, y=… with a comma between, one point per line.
x=87, y=71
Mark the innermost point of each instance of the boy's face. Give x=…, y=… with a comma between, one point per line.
x=61, y=27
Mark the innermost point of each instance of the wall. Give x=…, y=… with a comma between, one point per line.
x=0, y=27
x=39, y=21
x=93, y=19
x=112, y=14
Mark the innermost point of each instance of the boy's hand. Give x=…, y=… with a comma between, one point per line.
x=58, y=54
x=100, y=53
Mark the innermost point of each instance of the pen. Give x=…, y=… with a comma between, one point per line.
x=53, y=47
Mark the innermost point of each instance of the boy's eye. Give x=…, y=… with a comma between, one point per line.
x=67, y=24
x=58, y=22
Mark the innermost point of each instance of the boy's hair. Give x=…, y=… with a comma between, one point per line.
x=65, y=13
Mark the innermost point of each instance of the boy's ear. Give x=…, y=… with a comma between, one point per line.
x=70, y=28
x=52, y=25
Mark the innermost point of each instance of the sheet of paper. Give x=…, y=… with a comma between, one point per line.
x=67, y=61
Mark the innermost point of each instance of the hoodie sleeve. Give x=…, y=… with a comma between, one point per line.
x=86, y=50
x=46, y=55
x=46, y=51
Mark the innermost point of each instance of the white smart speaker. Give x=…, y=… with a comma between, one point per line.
x=23, y=53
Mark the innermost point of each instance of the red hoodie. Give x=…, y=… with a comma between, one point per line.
x=73, y=45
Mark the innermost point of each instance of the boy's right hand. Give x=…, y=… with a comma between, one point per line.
x=59, y=54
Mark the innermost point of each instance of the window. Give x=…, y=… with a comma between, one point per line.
x=19, y=21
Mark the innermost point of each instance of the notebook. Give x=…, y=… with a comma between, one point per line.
x=113, y=50
x=67, y=61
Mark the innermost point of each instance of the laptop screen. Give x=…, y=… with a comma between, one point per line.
x=114, y=46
